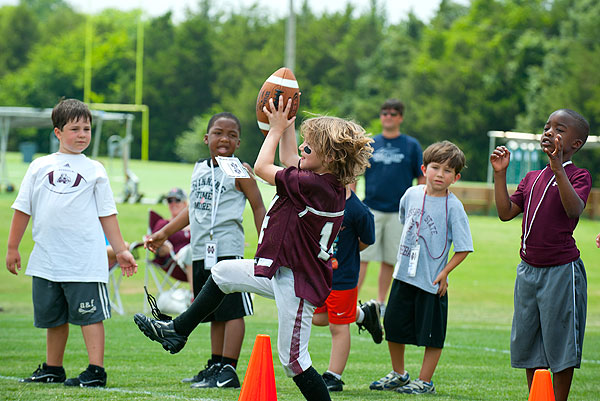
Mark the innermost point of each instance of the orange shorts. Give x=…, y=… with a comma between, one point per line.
x=340, y=306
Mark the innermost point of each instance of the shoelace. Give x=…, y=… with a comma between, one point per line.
x=158, y=315
x=38, y=370
x=361, y=326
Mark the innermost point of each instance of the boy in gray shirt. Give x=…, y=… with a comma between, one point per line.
x=417, y=309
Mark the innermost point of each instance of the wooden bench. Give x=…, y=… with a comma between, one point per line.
x=479, y=199
x=475, y=199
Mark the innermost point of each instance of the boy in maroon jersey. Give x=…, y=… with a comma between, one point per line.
x=550, y=300
x=292, y=263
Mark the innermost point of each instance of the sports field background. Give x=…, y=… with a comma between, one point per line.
x=475, y=364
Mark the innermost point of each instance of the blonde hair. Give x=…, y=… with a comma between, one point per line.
x=343, y=145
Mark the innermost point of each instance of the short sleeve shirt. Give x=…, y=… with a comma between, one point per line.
x=438, y=224
x=299, y=229
x=358, y=226
x=65, y=195
x=550, y=241
x=394, y=165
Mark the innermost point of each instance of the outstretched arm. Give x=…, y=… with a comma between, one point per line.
x=155, y=241
x=265, y=166
x=17, y=229
x=500, y=159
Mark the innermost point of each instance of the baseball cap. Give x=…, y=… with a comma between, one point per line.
x=176, y=193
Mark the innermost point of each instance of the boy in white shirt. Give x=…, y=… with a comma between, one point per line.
x=72, y=206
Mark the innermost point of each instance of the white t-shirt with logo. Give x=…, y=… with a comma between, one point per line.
x=65, y=195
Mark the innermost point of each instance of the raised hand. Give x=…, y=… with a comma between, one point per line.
x=500, y=158
x=555, y=156
x=278, y=118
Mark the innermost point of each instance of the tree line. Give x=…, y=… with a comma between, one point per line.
x=491, y=65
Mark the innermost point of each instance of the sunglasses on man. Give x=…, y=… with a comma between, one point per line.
x=173, y=200
x=386, y=113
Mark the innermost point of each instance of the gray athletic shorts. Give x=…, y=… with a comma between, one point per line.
x=55, y=304
x=388, y=233
x=549, y=316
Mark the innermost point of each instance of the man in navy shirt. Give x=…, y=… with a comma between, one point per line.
x=396, y=161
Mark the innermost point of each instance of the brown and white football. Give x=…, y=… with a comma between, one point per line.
x=281, y=82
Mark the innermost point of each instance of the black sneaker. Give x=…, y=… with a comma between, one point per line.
x=332, y=382
x=203, y=374
x=93, y=376
x=161, y=331
x=46, y=374
x=372, y=321
x=225, y=377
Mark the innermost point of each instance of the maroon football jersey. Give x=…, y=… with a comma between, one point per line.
x=299, y=229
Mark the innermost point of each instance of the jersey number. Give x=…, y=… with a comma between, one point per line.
x=325, y=236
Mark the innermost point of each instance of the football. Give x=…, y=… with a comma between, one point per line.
x=281, y=82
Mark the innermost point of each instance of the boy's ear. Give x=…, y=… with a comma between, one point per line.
x=423, y=169
x=205, y=140
x=577, y=144
x=57, y=133
x=456, y=178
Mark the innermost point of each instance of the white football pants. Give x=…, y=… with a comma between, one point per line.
x=294, y=314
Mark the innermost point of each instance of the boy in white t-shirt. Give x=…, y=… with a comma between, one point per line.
x=72, y=206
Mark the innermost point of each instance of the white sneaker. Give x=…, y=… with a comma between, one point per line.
x=390, y=382
x=417, y=386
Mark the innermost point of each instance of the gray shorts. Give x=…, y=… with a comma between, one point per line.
x=549, y=316
x=55, y=304
x=388, y=233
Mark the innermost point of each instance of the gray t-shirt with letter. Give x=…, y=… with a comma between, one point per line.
x=438, y=222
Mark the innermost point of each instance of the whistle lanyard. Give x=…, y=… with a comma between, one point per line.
x=528, y=228
x=421, y=221
x=216, y=195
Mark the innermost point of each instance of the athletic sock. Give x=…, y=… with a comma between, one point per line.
x=214, y=358
x=381, y=308
x=337, y=376
x=53, y=368
x=208, y=299
x=403, y=375
x=229, y=361
x=312, y=386
x=361, y=316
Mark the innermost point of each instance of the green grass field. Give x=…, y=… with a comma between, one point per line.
x=475, y=364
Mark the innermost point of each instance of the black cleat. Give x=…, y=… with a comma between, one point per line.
x=332, y=382
x=91, y=377
x=223, y=377
x=371, y=322
x=203, y=374
x=46, y=374
x=161, y=331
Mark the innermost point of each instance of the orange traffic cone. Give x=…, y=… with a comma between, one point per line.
x=541, y=388
x=259, y=381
